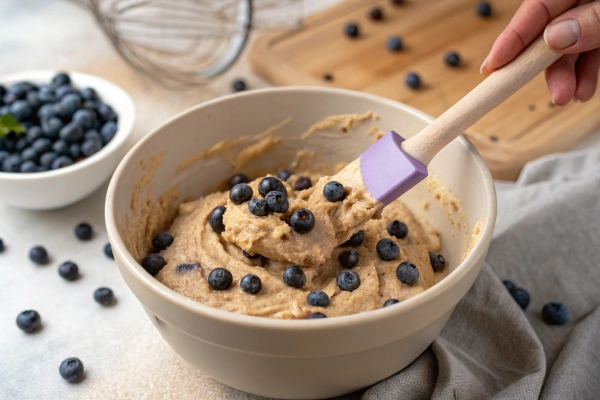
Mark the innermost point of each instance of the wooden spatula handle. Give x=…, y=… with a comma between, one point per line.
x=499, y=86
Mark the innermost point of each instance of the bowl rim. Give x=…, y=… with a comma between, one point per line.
x=202, y=310
x=124, y=130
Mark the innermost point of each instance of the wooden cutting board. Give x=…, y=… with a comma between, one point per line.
x=525, y=127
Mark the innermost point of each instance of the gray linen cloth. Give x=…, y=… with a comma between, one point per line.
x=547, y=241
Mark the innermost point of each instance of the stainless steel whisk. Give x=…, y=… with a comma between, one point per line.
x=187, y=42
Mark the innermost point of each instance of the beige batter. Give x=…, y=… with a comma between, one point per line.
x=196, y=243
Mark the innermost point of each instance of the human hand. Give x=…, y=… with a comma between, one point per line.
x=570, y=27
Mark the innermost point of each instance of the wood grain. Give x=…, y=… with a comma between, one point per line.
x=524, y=127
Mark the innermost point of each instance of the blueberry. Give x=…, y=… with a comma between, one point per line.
x=250, y=256
x=24, y=86
x=33, y=100
x=106, y=112
x=328, y=77
x=21, y=109
x=387, y=249
x=413, y=80
x=239, y=85
x=3, y=156
x=108, y=131
x=220, y=279
x=41, y=168
x=83, y=231
x=2, y=90
x=92, y=134
x=348, y=280
x=394, y=43
x=64, y=90
x=318, y=298
x=90, y=147
x=438, y=262
x=452, y=59
x=484, y=9
x=29, y=321
x=42, y=145
x=294, y=276
x=38, y=255
x=284, y=174
x=555, y=314
x=71, y=369
x=28, y=167
x=303, y=183
x=397, y=229
x=68, y=270
x=90, y=105
x=334, y=191
x=51, y=126
x=1, y=242
x=271, y=184
x=104, y=296
x=376, y=14
x=391, y=302
x=355, y=240
x=71, y=132
x=46, y=95
x=237, y=179
x=21, y=144
x=258, y=207
x=85, y=118
x=215, y=219
x=316, y=315
x=29, y=154
x=75, y=151
x=277, y=201
x=184, y=268
x=70, y=103
x=521, y=297
x=61, y=79
x=47, y=158
x=12, y=163
x=61, y=162
x=108, y=251
x=351, y=30
x=348, y=258
x=9, y=98
x=302, y=221
x=88, y=94
x=509, y=285
x=33, y=133
x=251, y=284
x=153, y=263
x=240, y=193
x=46, y=111
x=162, y=240
x=60, y=147
x=407, y=272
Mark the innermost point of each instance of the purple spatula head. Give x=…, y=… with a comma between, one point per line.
x=389, y=172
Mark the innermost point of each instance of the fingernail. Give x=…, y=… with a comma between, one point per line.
x=562, y=34
x=481, y=69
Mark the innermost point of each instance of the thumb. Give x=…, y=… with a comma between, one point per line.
x=575, y=31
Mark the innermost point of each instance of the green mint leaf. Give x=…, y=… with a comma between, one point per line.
x=8, y=123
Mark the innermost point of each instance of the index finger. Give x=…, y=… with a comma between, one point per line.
x=527, y=24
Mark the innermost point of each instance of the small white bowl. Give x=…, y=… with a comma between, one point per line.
x=61, y=187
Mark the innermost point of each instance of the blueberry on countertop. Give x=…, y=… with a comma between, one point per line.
x=348, y=258
x=108, y=251
x=220, y=279
x=394, y=44
x=510, y=286
x=250, y=256
x=413, y=80
x=153, y=263
x=184, y=268
x=348, y=280
x=215, y=219
x=302, y=183
x=407, y=272
x=452, y=59
x=391, y=302
x=355, y=240
x=83, y=231
x=271, y=184
x=316, y=315
x=277, y=201
x=484, y=9
x=398, y=229
x=240, y=193
x=71, y=369
x=521, y=296
x=237, y=179
x=302, y=221
x=555, y=314
x=284, y=174
x=351, y=30
x=294, y=276
x=258, y=207
x=438, y=262
x=239, y=85
x=68, y=270
x=387, y=249
x=104, y=296
x=162, y=240
x=251, y=284
x=318, y=298
x=38, y=255
x=334, y=191
x=29, y=321
x=376, y=14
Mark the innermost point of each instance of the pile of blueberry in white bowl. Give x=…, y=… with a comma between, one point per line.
x=61, y=136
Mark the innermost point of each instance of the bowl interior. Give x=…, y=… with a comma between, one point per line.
x=166, y=167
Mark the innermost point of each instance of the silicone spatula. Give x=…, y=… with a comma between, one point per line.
x=392, y=165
